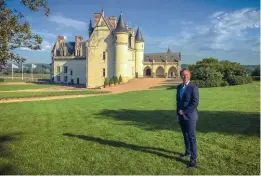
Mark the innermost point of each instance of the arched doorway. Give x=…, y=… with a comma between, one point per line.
x=147, y=71
x=172, y=73
x=160, y=72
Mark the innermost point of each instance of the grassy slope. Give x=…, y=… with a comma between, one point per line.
x=131, y=133
x=24, y=86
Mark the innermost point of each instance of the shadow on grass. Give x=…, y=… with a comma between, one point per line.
x=150, y=150
x=6, y=169
x=229, y=122
x=165, y=87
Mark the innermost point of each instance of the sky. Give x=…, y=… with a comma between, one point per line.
x=223, y=29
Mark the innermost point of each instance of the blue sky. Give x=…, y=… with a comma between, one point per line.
x=224, y=29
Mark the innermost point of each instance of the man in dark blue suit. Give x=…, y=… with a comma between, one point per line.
x=187, y=102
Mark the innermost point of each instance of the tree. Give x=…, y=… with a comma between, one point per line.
x=256, y=72
x=15, y=31
x=212, y=73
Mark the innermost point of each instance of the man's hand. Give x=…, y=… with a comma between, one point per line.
x=180, y=112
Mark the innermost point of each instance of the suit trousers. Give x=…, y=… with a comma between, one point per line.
x=188, y=128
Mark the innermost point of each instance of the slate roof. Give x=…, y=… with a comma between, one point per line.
x=138, y=36
x=162, y=57
x=70, y=46
x=121, y=27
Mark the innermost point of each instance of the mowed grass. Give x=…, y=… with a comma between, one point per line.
x=6, y=87
x=12, y=95
x=131, y=133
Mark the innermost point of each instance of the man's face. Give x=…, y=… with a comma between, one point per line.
x=185, y=76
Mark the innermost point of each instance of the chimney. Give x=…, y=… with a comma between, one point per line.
x=78, y=44
x=60, y=41
x=96, y=18
x=113, y=21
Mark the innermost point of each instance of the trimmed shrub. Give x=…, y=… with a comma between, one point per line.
x=111, y=81
x=120, y=79
x=136, y=75
x=115, y=80
x=106, y=82
x=2, y=80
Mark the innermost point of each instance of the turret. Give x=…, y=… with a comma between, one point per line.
x=90, y=28
x=121, y=48
x=139, y=46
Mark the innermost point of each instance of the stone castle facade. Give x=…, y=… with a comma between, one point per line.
x=112, y=49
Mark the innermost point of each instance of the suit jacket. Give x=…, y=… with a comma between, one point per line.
x=188, y=102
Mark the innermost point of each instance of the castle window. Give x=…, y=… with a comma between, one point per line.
x=103, y=72
x=58, y=78
x=58, y=69
x=104, y=56
x=65, y=69
x=65, y=78
x=71, y=72
x=130, y=40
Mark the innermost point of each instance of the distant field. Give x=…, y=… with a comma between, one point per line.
x=44, y=76
x=4, y=87
x=11, y=95
x=15, y=80
x=134, y=133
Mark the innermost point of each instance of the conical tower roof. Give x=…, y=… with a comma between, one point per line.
x=121, y=27
x=138, y=37
x=169, y=50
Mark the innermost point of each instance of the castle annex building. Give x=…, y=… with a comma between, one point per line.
x=112, y=49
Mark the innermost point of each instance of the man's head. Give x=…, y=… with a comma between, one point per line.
x=185, y=75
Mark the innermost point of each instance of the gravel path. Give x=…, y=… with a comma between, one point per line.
x=133, y=85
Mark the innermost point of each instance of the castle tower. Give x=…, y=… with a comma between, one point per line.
x=121, y=48
x=139, y=46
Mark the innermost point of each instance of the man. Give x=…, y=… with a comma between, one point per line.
x=187, y=102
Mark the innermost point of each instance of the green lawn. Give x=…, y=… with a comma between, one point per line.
x=5, y=87
x=131, y=133
x=10, y=95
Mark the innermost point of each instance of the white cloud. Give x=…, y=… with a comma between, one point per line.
x=69, y=22
x=45, y=34
x=233, y=32
x=45, y=46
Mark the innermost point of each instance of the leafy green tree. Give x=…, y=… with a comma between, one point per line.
x=211, y=73
x=15, y=30
x=256, y=72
